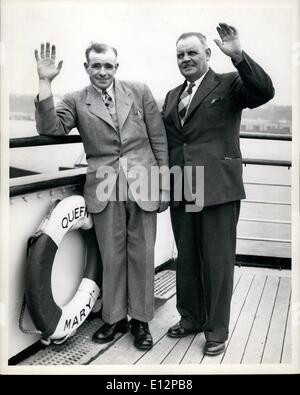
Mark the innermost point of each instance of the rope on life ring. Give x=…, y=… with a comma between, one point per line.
x=56, y=323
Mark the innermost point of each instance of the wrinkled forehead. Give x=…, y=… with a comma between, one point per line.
x=189, y=43
x=102, y=57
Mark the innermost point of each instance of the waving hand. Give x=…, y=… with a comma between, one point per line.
x=230, y=43
x=47, y=70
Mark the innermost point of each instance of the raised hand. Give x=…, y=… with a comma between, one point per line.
x=230, y=43
x=46, y=68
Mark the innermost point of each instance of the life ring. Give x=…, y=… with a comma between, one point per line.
x=57, y=323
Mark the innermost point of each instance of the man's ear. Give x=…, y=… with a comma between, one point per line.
x=117, y=66
x=85, y=65
x=208, y=53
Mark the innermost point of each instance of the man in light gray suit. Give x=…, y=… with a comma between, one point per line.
x=121, y=128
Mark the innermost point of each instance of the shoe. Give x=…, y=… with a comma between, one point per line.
x=107, y=332
x=214, y=348
x=178, y=331
x=142, y=336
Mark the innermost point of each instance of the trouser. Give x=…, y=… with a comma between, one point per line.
x=206, y=243
x=126, y=238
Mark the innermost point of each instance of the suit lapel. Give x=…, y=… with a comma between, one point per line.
x=123, y=102
x=97, y=106
x=209, y=83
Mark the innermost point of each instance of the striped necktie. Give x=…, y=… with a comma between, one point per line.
x=110, y=105
x=184, y=102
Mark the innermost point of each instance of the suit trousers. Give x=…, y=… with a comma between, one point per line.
x=126, y=237
x=206, y=243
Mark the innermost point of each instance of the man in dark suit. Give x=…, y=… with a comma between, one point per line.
x=202, y=119
x=122, y=133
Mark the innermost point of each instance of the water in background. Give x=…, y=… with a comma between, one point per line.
x=40, y=159
x=50, y=158
x=43, y=159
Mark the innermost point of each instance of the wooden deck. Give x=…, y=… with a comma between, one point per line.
x=260, y=330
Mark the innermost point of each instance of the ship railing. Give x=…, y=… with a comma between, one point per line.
x=76, y=176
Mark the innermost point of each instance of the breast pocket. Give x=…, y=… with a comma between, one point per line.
x=136, y=113
x=214, y=114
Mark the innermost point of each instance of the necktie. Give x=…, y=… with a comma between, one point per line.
x=184, y=102
x=110, y=105
x=108, y=101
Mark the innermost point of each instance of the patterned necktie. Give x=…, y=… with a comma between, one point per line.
x=110, y=105
x=184, y=102
x=108, y=101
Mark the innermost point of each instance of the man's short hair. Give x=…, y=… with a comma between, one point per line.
x=200, y=36
x=99, y=48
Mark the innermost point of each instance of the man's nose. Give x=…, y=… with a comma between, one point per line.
x=102, y=71
x=186, y=57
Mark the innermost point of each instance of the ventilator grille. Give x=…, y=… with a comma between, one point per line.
x=72, y=352
x=165, y=282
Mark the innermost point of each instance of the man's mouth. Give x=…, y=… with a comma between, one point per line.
x=188, y=66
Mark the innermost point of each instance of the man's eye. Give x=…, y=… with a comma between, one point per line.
x=109, y=66
x=180, y=56
x=192, y=53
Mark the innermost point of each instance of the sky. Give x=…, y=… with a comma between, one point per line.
x=144, y=32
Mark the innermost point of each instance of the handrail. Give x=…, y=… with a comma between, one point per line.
x=266, y=136
x=267, y=162
x=266, y=202
x=264, y=239
x=37, y=182
x=266, y=221
x=268, y=184
x=34, y=141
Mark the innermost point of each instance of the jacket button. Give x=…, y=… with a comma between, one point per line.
x=185, y=144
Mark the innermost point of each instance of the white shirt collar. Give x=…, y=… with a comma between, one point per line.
x=197, y=82
x=109, y=90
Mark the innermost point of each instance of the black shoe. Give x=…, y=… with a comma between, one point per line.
x=107, y=332
x=142, y=336
x=178, y=331
x=214, y=348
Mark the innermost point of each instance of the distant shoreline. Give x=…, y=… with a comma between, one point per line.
x=19, y=116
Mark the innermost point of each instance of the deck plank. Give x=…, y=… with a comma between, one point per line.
x=158, y=353
x=195, y=352
x=124, y=352
x=268, y=338
x=287, y=345
x=237, y=302
x=238, y=341
x=236, y=278
x=178, y=352
x=255, y=346
x=193, y=345
x=263, y=271
x=275, y=338
x=257, y=298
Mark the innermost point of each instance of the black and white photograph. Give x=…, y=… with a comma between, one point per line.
x=150, y=188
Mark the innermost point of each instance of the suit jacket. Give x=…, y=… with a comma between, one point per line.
x=141, y=140
x=210, y=134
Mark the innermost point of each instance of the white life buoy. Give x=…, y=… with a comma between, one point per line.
x=57, y=323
